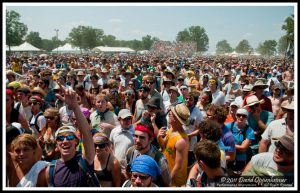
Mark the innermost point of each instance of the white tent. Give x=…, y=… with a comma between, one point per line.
x=67, y=48
x=25, y=47
x=113, y=49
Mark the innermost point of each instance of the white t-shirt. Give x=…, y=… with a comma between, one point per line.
x=273, y=132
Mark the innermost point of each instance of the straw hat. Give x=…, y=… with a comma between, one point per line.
x=260, y=83
x=182, y=113
x=253, y=100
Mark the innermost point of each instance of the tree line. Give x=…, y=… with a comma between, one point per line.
x=87, y=37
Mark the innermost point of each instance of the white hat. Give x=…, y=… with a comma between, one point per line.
x=66, y=128
x=288, y=106
x=124, y=113
x=234, y=104
x=242, y=112
x=247, y=88
x=253, y=100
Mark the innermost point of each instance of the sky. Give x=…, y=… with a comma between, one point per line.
x=232, y=22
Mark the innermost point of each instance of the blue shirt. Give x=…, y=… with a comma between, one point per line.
x=227, y=139
x=266, y=117
x=239, y=138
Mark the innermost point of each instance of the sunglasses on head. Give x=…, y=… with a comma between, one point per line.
x=240, y=115
x=135, y=176
x=101, y=146
x=68, y=137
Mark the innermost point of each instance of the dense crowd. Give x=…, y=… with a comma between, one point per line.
x=147, y=121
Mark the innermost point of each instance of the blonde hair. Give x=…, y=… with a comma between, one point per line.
x=24, y=140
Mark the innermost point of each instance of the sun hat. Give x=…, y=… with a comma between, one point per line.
x=287, y=141
x=260, y=83
x=181, y=112
x=288, y=106
x=253, y=100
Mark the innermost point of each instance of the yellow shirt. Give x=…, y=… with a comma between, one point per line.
x=170, y=154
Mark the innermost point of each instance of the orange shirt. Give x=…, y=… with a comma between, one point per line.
x=170, y=154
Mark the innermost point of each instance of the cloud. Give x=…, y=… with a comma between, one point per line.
x=247, y=35
x=115, y=20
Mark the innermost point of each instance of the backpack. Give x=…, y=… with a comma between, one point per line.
x=35, y=122
x=92, y=179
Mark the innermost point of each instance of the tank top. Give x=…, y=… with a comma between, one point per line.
x=70, y=174
x=170, y=154
x=104, y=175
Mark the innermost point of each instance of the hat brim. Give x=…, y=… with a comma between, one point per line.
x=264, y=86
x=254, y=103
x=178, y=118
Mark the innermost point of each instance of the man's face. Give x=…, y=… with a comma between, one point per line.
x=126, y=122
x=140, y=180
x=282, y=156
x=141, y=140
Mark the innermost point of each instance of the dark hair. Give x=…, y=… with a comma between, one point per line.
x=209, y=96
x=208, y=152
x=210, y=129
x=219, y=113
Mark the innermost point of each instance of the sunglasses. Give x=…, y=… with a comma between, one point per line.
x=240, y=115
x=135, y=176
x=101, y=146
x=51, y=118
x=139, y=136
x=62, y=137
x=281, y=148
x=34, y=103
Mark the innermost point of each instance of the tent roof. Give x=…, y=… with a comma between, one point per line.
x=24, y=47
x=66, y=48
x=113, y=49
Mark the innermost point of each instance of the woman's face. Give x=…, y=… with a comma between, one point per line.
x=23, y=154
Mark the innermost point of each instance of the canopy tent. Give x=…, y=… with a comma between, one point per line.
x=113, y=49
x=67, y=48
x=25, y=47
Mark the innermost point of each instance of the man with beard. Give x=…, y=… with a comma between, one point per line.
x=144, y=172
x=140, y=106
x=282, y=160
x=143, y=137
x=277, y=128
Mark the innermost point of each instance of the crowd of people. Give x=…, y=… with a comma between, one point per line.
x=169, y=49
x=147, y=121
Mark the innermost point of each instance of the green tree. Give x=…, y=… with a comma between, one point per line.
x=267, y=48
x=34, y=39
x=109, y=40
x=223, y=47
x=48, y=45
x=282, y=45
x=194, y=34
x=15, y=30
x=289, y=28
x=243, y=47
x=85, y=37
